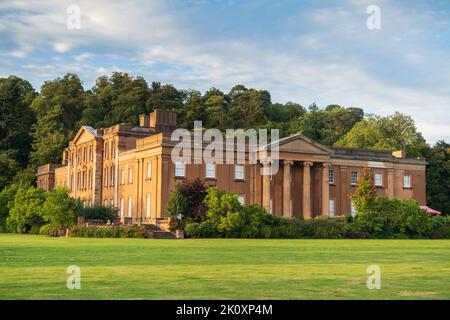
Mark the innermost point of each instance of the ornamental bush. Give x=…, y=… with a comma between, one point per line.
x=107, y=232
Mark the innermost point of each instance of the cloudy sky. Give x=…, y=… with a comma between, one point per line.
x=302, y=51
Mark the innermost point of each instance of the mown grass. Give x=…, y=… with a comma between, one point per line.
x=34, y=267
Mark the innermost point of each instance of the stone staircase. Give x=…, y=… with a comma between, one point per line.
x=154, y=232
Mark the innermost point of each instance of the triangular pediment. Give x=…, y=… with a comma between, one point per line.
x=85, y=134
x=299, y=144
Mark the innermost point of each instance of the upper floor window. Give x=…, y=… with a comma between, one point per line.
x=378, y=179
x=149, y=169
x=90, y=179
x=122, y=176
x=210, y=171
x=179, y=169
x=113, y=150
x=354, y=178
x=407, y=181
x=331, y=176
x=84, y=154
x=112, y=175
x=79, y=155
x=106, y=150
x=91, y=155
x=239, y=172
x=130, y=175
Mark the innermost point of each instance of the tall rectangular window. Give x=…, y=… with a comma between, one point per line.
x=106, y=177
x=129, y=207
x=148, y=205
x=239, y=172
x=113, y=150
x=105, y=203
x=378, y=179
x=84, y=155
x=331, y=176
x=79, y=155
x=121, y=207
x=113, y=175
x=111, y=203
x=210, y=169
x=331, y=208
x=149, y=169
x=78, y=180
x=353, y=209
x=354, y=178
x=90, y=179
x=241, y=199
x=130, y=175
x=122, y=176
x=407, y=181
x=91, y=155
x=106, y=150
x=84, y=179
x=179, y=169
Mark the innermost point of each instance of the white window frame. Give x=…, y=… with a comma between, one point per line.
x=111, y=202
x=239, y=172
x=148, y=204
x=210, y=171
x=122, y=176
x=130, y=175
x=407, y=185
x=129, y=206
x=180, y=169
x=122, y=205
x=106, y=177
x=354, y=183
x=380, y=176
x=149, y=169
x=241, y=199
x=352, y=209
x=331, y=208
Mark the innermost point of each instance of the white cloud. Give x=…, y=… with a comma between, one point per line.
x=61, y=47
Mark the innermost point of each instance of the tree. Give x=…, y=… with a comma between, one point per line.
x=194, y=192
x=393, y=132
x=247, y=107
x=25, y=214
x=8, y=168
x=16, y=118
x=177, y=204
x=59, y=209
x=58, y=108
x=438, y=177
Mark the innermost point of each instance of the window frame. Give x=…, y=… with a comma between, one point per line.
x=208, y=171
x=409, y=186
x=351, y=178
x=331, y=213
x=331, y=177
x=180, y=166
x=378, y=174
x=236, y=177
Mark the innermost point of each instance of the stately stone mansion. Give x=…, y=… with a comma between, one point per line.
x=130, y=167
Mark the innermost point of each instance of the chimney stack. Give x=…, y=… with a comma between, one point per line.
x=400, y=154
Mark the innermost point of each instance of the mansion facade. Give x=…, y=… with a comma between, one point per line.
x=130, y=168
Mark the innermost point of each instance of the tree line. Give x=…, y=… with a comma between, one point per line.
x=35, y=127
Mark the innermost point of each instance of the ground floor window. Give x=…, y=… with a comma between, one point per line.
x=331, y=208
x=129, y=207
x=148, y=205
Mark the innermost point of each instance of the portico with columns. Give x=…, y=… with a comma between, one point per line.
x=303, y=174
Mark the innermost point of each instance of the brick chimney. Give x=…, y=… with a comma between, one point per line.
x=144, y=121
x=163, y=121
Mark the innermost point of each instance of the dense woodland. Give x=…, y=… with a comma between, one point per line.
x=35, y=127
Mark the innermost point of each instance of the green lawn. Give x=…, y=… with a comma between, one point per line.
x=34, y=267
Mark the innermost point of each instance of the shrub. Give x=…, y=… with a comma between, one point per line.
x=194, y=192
x=107, y=232
x=49, y=230
x=177, y=204
x=97, y=212
x=204, y=229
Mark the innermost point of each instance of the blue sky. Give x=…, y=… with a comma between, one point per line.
x=301, y=51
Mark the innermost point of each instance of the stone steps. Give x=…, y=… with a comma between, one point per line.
x=154, y=232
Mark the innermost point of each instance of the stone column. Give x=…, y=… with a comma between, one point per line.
x=390, y=183
x=287, y=188
x=307, y=189
x=266, y=185
x=325, y=189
